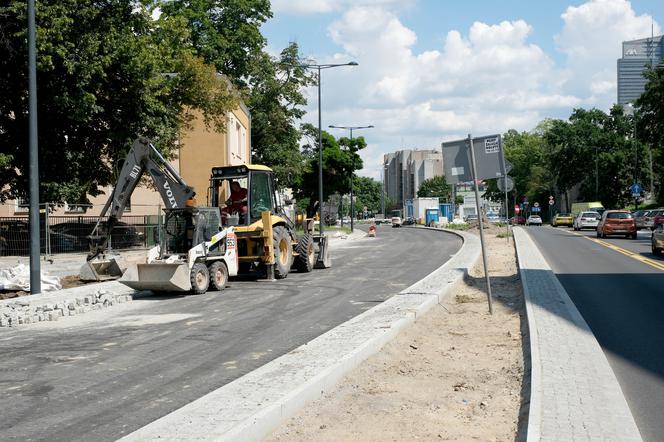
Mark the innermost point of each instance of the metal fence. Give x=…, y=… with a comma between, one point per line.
x=70, y=233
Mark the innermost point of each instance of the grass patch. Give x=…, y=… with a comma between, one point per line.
x=504, y=235
x=458, y=226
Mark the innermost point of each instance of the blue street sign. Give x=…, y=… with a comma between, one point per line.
x=535, y=209
x=636, y=189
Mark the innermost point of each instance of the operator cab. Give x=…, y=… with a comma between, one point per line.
x=242, y=193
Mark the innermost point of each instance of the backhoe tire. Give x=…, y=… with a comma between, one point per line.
x=200, y=278
x=306, y=258
x=283, y=252
x=218, y=275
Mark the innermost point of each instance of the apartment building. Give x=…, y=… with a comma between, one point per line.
x=405, y=170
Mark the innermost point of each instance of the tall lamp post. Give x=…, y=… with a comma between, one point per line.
x=352, y=172
x=631, y=110
x=320, y=67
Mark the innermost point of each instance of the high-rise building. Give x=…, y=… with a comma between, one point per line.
x=405, y=170
x=636, y=56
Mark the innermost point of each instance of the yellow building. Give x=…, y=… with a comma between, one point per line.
x=200, y=148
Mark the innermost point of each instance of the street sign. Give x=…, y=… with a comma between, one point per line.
x=517, y=209
x=550, y=197
x=551, y=202
x=508, y=166
x=456, y=159
x=536, y=209
x=636, y=190
x=501, y=184
x=536, y=204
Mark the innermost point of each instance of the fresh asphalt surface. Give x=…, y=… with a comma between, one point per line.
x=105, y=374
x=622, y=300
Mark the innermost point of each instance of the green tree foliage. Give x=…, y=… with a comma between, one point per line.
x=650, y=123
x=100, y=84
x=340, y=161
x=367, y=193
x=226, y=33
x=435, y=187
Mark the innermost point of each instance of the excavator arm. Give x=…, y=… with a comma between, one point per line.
x=142, y=157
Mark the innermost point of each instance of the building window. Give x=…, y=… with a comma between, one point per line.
x=22, y=205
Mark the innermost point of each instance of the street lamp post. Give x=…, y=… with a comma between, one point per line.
x=352, y=172
x=631, y=110
x=318, y=68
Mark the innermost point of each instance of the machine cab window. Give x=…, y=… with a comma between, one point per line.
x=262, y=194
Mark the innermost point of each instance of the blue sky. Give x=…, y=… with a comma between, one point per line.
x=435, y=70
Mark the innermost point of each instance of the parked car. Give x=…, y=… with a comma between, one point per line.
x=586, y=220
x=123, y=235
x=640, y=218
x=562, y=219
x=396, y=221
x=534, y=220
x=517, y=220
x=469, y=218
x=15, y=239
x=657, y=239
x=616, y=222
x=409, y=221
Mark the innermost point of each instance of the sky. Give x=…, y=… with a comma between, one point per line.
x=436, y=70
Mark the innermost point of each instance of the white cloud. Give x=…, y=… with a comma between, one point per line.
x=592, y=37
x=484, y=79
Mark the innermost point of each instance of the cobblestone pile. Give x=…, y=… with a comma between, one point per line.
x=24, y=310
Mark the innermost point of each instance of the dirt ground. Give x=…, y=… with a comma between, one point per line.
x=455, y=374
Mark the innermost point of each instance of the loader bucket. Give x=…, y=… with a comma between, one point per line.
x=158, y=277
x=323, y=259
x=101, y=269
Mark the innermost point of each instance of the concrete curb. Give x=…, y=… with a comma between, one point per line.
x=250, y=407
x=574, y=394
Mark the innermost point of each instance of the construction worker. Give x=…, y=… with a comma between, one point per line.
x=237, y=203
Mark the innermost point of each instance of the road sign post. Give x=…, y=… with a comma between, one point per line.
x=481, y=224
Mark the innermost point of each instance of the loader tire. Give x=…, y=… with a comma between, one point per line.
x=283, y=252
x=200, y=278
x=218, y=275
x=306, y=258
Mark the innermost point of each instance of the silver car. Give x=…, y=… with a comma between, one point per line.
x=586, y=220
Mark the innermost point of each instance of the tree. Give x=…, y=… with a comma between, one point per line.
x=226, y=33
x=367, y=192
x=650, y=127
x=338, y=165
x=100, y=80
x=435, y=187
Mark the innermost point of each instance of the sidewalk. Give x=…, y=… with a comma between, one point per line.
x=574, y=393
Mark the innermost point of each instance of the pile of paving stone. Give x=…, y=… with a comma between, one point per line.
x=24, y=310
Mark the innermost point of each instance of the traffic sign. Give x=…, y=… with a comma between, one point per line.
x=517, y=209
x=456, y=159
x=536, y=209
x=536, y=205
x=508, y=166
x=636, y=190
x=501, y=184
x=551, y=197
x=551, y=202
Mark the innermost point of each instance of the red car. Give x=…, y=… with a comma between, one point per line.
x=616, y=222
x=516, y=220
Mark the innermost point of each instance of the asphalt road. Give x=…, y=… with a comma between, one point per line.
x=104, y=374
x=622, y=300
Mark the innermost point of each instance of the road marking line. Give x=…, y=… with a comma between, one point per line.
x=634, y=255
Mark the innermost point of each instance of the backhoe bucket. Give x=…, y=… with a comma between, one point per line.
x=101, y=269
x=323, y=259
x=158, y=277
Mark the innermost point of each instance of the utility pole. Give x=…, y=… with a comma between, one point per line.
x=35, y=265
